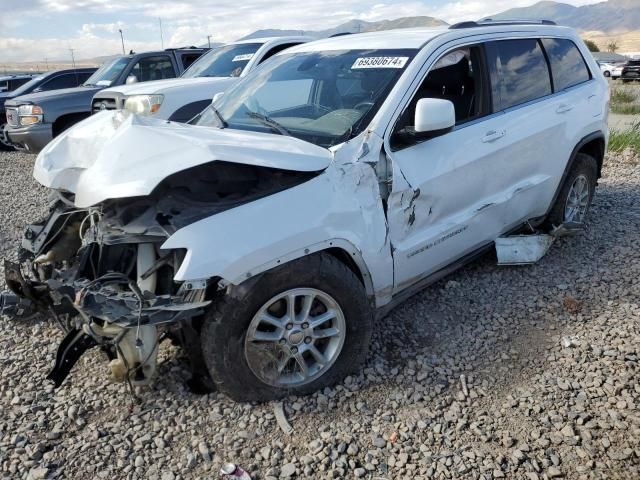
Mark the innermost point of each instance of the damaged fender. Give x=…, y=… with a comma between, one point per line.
x=345, y=212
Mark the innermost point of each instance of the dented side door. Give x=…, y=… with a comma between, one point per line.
x=445, y=200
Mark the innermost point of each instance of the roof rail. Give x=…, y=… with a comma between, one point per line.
x=488, y=22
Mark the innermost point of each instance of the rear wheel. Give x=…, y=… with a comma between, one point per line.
x=298, y=328
x=574, y=199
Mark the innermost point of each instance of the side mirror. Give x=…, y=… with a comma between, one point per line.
x=131, y=79
x=435, y=116
x=217, y=97
x=36, y=90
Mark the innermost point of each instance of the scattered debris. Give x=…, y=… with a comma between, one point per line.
x=283, y=423
x=522, y=249
x=393, y=438
x=570, y=341
x=572, y=305
x=233, y=471
x=463, y=382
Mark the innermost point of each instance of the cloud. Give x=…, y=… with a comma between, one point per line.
x=189, y=22
x=55, y=49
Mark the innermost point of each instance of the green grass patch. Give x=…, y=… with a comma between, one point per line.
x=622, y=96
x=621, y=140
x=633, y=109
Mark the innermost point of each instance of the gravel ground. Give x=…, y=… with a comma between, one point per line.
x=495, y=372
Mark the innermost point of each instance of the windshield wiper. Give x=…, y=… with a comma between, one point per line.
x=223, y=122
x=270, y=122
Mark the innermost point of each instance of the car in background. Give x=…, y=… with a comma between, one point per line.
x=11, y=82
x=611, y=70
x=631, y=71
x=54, y=80
x=183, y=98
x=34, y=119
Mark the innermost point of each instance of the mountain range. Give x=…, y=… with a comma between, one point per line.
x=610, y=17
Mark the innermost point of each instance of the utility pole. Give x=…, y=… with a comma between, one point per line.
x=161, y=38
x=209, y=40
x=122, y=40
x=46, y=61
x=73, y=59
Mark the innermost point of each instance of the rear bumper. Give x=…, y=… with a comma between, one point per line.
x=32, y=138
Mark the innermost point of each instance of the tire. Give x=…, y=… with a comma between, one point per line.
x=584, y=166
x=244, y=369
x=607, y=74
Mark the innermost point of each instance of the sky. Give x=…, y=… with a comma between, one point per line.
x=35, y=30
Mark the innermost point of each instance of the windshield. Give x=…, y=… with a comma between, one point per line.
x=108, y=72
x=25, y=87
x=321, y=97
x=227, y=61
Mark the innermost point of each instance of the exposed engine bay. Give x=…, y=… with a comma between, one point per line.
x=101, y=273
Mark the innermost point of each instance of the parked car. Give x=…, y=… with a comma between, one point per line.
x=34, y=119
x=631, y=71
x=611, y=70
x=9, y=83
x=54, y=80
x=322, y=189
x=183, y=98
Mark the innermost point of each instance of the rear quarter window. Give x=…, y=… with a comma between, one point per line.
x=567, y=63
x=519, y=72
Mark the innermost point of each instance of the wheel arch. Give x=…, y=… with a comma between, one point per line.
x=342, y=250
x=594, y=145
x=62, y=122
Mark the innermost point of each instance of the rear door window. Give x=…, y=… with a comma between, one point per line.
x=66, y=80
x=519, y=72
x=153, y=68
x=567, y=63
x=187, y=59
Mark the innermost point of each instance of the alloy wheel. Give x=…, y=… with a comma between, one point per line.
x=577, y=203
x=295, y=337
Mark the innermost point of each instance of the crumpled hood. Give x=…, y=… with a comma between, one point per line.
x=119, y=154
x=162, y=86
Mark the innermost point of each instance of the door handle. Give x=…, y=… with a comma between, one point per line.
x=564, y=108
x=493, y=135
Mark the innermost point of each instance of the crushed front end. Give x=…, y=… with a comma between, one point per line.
x=101, y=274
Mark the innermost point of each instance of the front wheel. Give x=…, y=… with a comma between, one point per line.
x=574, y=199
x=298, y=328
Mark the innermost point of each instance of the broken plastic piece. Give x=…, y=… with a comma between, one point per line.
x=285, y=426
x=233, y=471
x=568, y=229
x=522, y=249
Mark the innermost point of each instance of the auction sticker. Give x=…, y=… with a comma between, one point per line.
x=242, y=58
x=380, y=62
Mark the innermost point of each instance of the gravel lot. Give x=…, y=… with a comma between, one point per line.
x=495, y=372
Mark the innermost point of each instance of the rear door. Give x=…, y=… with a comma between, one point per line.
x=535, y=125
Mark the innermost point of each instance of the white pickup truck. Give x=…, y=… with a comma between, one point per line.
x=180, y=99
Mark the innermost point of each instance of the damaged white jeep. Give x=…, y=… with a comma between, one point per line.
x=322, y=189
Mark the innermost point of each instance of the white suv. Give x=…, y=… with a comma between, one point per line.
x=332, y=182
x=180, y=99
